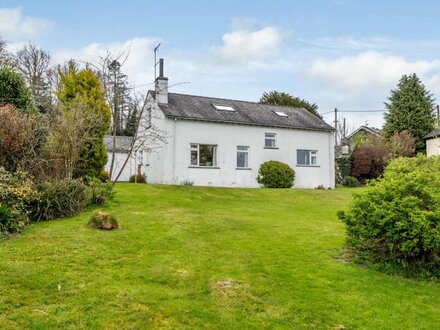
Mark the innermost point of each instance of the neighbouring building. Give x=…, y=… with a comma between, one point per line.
x=358, y=137
x=122, y=145
x=221, y=142
x=432, y=141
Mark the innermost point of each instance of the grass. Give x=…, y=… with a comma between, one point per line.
x=191, y=257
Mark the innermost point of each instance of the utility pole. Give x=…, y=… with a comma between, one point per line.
x=336, y=127
x=438, y=115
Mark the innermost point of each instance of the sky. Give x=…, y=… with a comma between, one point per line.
x=341, y=54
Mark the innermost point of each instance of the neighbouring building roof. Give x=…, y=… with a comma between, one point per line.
x=431, y=135
x=201, y=108
x=123, y=143
x=366, y=129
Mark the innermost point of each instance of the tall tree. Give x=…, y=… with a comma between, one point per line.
x=285, y=99
x=34, y=64
x=13, y=90
x=410, y=108
x=82, y=89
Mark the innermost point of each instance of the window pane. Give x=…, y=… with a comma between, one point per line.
x=207, y=155
x=302, y=157
x=194, y=157
x=242, y=159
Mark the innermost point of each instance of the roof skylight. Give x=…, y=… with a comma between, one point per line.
x=281, y=113
x=223, y=107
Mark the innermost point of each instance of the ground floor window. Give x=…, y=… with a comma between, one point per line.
x=203, y=154
x=306, y=157
x=242, y=156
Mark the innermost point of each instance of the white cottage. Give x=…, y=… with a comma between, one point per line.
x=432, y=141
x=222, y=142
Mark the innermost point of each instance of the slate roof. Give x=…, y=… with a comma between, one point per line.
x=435, y=133
x=201, y=108
x=123, y=143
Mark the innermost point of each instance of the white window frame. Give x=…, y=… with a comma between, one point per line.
x=272, y=138
x=312, y=157
x=244, y=151
x=195, y=147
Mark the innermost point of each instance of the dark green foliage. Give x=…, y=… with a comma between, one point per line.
x=396, y=220
x=99, y=192
x=344, y=168
x=273, y=174
x=8, y=221
x=56, y=199
x=285, y=99
x=350, y=181
x=411, y=108
x=101, y=220
x=13, y=90
x=130, y=126
x=139, y=178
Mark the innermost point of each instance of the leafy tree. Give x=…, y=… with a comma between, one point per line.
x=410, y=108
x=402, y=144
x=81, y=89
x=368, y=162
x=285, y=99
x=13, y=90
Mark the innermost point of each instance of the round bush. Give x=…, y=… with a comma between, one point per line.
x=139, y=178
x=104, y=176
x=273, y=174
x=350, y=181
x=101, y=220
x=396, y=219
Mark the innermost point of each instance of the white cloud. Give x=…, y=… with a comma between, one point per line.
x=367, y=71
x=247, y=45
x=14, y=26
x=139, y=64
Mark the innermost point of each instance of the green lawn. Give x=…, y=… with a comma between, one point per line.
x=189, y=257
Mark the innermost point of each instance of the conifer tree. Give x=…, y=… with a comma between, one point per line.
x=82, y=89
x=410, y=108
x=285, y=99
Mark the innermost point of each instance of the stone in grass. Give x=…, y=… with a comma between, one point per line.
x=102, y=220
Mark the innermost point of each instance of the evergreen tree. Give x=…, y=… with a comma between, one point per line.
x=285, y=99
x=82, y=89
x=410, y=108
x=13, y=90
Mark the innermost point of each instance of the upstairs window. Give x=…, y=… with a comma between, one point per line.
x=223, y=107
x=203, y=155
x=281, y=113
x=242, y=157
x=270, y=140
x=306, y=157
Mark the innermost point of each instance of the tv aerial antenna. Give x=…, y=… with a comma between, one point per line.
x=155, y=60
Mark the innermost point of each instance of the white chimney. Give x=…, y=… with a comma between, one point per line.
x=161, y=86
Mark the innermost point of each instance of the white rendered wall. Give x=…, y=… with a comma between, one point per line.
x=433, y=147
x=170, y=163
x=129, y=169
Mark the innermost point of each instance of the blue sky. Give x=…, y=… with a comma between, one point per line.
x=337, y=53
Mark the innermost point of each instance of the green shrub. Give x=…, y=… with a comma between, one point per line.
x=8, y=221
x=104, y=176
x=103, y=220
x=16, y=190
x=187, y=183
x=273, y=174
x=56, y=199
x=343, y=168
x=395, y=221
x=139, y=178
x=350, y=181
x=99, y=192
